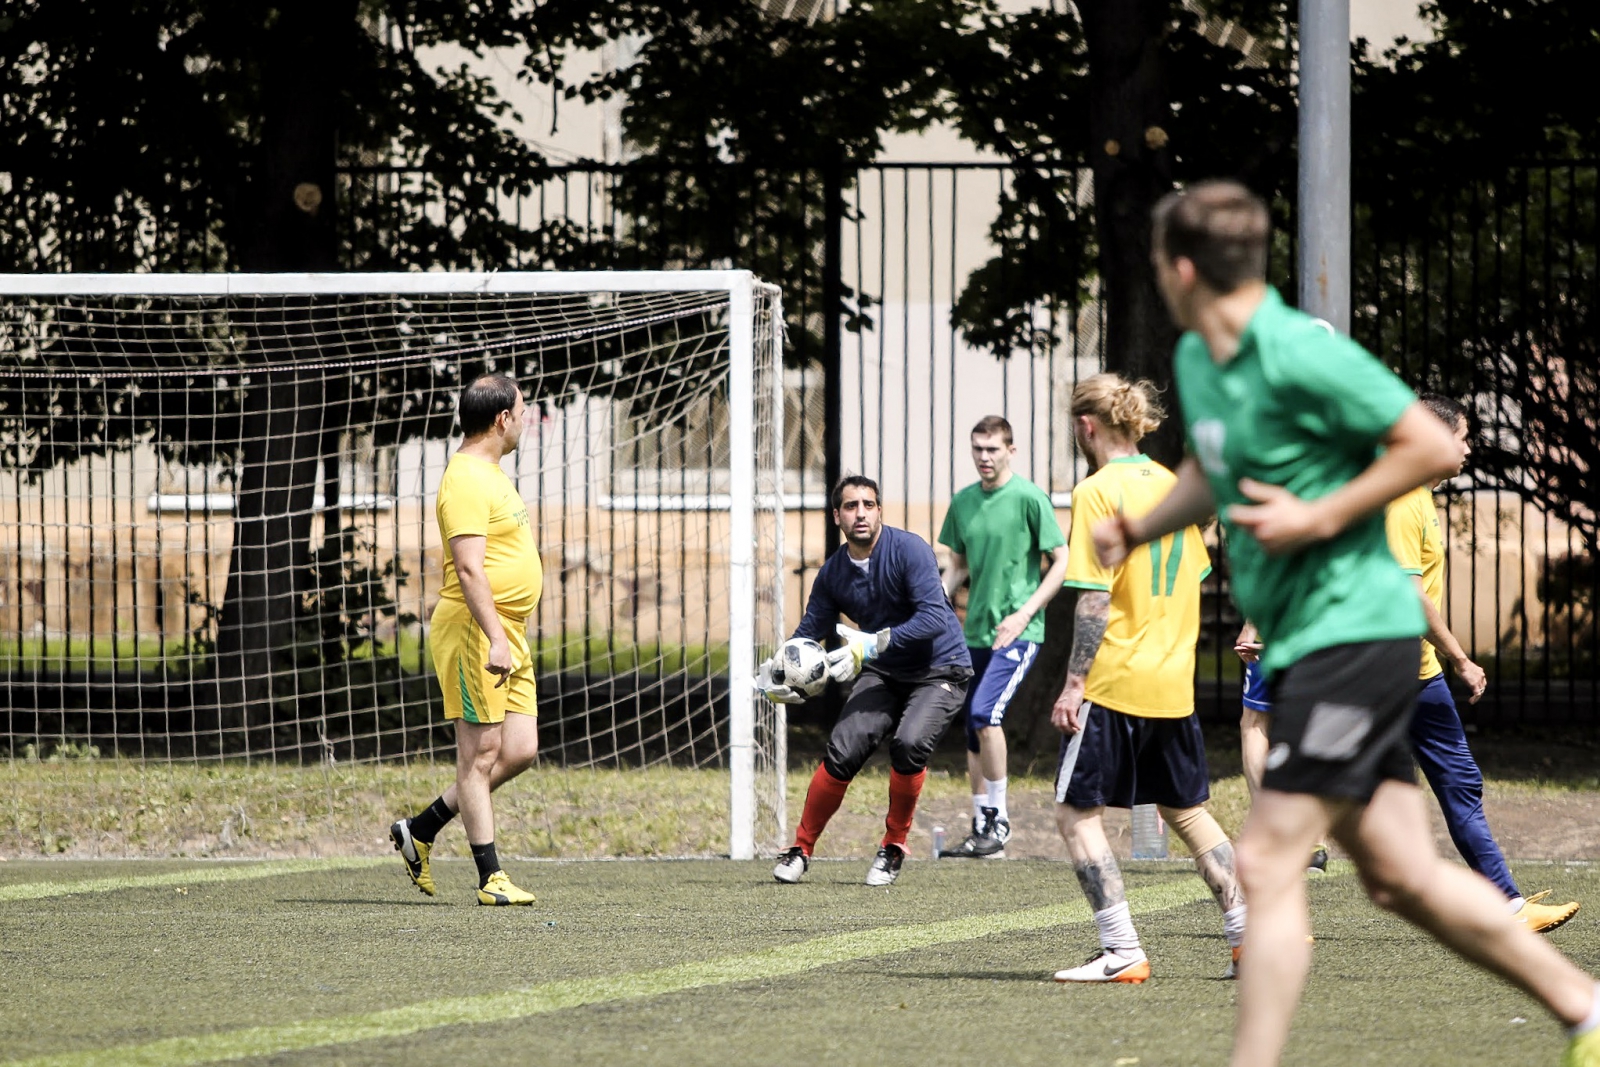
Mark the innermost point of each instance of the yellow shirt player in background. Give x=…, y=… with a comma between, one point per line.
x=1127, y=709
x=1437, y=737
x=478, y=637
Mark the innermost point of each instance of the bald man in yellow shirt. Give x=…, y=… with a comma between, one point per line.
x=478, y=637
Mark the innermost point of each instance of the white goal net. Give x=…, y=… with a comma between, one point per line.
x=218, y=555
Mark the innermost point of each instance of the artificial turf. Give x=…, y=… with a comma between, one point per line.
x=674, y=962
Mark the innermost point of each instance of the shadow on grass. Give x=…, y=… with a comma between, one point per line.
x=1031, y=977
x=361, y=902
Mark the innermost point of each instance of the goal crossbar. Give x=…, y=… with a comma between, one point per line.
x=394, y=282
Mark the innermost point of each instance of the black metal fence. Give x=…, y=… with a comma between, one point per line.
x=1482, y=286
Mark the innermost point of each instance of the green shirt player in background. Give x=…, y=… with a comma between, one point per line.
x=998, y=531
x=1297, y=440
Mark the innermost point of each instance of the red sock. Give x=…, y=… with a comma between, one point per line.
x=822, y=800
x=904, y=789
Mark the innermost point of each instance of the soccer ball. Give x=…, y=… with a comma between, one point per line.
x=802, y=665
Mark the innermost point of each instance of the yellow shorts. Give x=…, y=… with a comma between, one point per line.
x=460, y=651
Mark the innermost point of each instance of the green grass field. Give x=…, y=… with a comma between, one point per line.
x=691, y=962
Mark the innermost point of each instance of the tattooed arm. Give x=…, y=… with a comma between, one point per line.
x=1089, y=628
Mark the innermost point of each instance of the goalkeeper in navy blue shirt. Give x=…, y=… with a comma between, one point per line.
x=907, y=657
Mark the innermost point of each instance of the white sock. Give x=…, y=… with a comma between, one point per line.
x=1594, y=1016
x=979, y=802
x=997, y=796
x=1516, y=904
x=1233, y=926
x=1116, y=929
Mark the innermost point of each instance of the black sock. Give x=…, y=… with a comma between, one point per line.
x=426, y=824
x=486, y=859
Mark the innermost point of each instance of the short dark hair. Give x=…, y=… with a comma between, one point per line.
x=1448, y=410
x=990, y=425
x=1219, y=226
x=483, y=400
x=859, y=481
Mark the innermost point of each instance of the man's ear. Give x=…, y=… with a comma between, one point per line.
x=1186, y=270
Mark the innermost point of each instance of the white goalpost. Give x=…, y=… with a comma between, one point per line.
x=218, y=552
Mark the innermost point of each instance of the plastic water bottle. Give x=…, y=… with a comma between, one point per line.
x=1149, y=833
x=938, y=841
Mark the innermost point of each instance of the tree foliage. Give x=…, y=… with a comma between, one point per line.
x=743, y=127
x=1475, y=255
x=138, y=132
x=152, y=132
x=160, y=133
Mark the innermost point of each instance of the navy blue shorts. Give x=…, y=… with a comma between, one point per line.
x=1117, y=761
x=1257, y=696
x=995, y=678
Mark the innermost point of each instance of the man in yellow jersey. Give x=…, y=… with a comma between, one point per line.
x=1437, y=738
x=478, y=636
x=1127, y=708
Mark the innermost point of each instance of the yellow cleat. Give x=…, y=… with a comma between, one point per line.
x=499, y=892
x=1583, y=1051
x=1541, y=917
x=415, y=855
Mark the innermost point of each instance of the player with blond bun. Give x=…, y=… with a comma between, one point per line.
x=1127, y=709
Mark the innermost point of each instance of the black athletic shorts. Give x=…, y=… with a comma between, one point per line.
x=1340, y=718
x=1119, y=760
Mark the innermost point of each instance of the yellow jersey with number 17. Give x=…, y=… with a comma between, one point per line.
x=476, y=498
x=1145, y=665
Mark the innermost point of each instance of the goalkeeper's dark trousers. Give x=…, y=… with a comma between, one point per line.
x=918, y=712
x=912, y=714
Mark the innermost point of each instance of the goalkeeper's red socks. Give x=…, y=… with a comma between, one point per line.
x=904, y=789
x=822, y=800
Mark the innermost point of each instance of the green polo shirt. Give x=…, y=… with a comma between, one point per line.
x=1003, y=533
x=1304, y=409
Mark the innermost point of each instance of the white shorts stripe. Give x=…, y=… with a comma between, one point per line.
x=1069, y=758
x=997, y=714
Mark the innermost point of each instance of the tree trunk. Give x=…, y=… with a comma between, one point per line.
x=271, y=531
x=1128, y=114
x=1129, y=110
x=292, y=203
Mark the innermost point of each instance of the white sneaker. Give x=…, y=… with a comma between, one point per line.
x=791, y=866
x=1127, y=965
x=886, y=867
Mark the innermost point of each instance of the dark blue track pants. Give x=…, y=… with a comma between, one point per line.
x=1441, y=748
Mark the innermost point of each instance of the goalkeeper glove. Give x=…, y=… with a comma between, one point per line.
x=778, y=694
x=860, y=648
